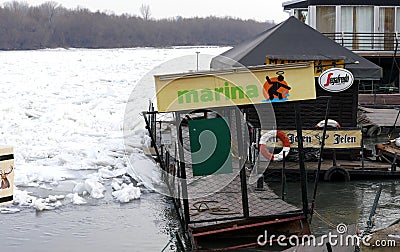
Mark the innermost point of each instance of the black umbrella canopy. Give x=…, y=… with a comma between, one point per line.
x=294, y=40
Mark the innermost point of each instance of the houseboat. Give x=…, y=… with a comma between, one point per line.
x=367, y=27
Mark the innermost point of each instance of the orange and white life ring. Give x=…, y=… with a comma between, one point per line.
x=274, y=134
x=331, y=123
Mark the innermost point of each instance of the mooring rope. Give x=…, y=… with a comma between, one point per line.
x=327, y=222
x=202, y=206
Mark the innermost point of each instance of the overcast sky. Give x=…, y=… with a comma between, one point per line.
x=260, y=10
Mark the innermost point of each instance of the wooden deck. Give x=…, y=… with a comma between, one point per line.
x=379, y=99
x=217, y=217
x=380, y=117
x=227, y=203
x=389, y=236
x=215, y=198
x=321, y=243
x=327, y=164
x=371, y=170
x=218, y=212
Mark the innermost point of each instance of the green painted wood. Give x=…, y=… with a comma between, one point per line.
x=210, y=146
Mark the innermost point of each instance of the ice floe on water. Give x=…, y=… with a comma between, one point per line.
x=76, y=199
x=23, y=199
x=9, y=210
x=144, y=170
x=127, y=193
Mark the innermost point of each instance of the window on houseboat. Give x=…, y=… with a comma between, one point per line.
x=386, y=28
x=326, y=20
x=357, y=26
x=398, y=19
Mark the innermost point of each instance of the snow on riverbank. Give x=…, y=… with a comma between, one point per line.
x=63, y=112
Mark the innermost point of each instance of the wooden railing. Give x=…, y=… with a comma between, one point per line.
x=366, y=41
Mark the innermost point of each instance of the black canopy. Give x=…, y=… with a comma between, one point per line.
x=294, y=40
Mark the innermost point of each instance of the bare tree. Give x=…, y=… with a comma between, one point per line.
x=145, y=11
x=49, y=9
x=20, y=8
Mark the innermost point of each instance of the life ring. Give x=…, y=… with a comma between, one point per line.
x=274, y=134
x=331, y=123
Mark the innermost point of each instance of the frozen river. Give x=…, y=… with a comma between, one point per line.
x=63, y=112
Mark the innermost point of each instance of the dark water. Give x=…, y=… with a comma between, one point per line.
x=142, y=225
x=147, y=224
x=349, y=203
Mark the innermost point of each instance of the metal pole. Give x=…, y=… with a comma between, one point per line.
x=162, y=157
x=283, y=176
x=243, y=179
x=183, y=172
x=329, y=247
x=372, y=213
x=394, y=163
x=334, y=160
x=362, y=151
x=197, y=61
x=394, y=126
x=260, y=183
x=153, y=141
x=303, y=172
x=153, y=124
x=316, y=179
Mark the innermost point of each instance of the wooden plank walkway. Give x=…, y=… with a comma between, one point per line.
x=327, y=164
x=215, y=198
x=321, y=243
x=380, y=117
x=227, y=203
x=215, y=209
x=379, y=99
x=372, y=169
x=389, y=236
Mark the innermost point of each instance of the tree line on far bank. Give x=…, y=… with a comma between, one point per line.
x=50, y=25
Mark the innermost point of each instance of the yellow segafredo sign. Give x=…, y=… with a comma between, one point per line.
x=238, y=86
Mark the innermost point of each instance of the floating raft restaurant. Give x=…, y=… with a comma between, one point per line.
x=219, y=198
x=214, y=132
